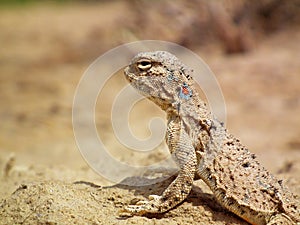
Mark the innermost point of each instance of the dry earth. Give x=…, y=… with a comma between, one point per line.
x=44, y=179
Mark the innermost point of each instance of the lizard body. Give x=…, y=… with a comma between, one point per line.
x=202, y=146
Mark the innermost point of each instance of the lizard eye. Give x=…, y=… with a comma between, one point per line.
x=144, y=64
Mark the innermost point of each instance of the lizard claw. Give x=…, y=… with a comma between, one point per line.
x=143, y=207
x=154, y=197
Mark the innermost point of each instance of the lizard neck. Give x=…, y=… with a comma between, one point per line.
x=193, y=109
x=192, y=112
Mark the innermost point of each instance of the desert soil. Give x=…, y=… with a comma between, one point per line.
x=45, y=180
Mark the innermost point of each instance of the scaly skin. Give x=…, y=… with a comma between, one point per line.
x=203, y=147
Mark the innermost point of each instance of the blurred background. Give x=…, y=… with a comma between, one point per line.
x=45, y=47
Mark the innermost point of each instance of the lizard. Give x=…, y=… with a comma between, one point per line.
x=202, y=147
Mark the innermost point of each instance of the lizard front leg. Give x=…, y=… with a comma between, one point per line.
x=184, y=153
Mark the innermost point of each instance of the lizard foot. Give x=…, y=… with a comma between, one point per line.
x=143, y=207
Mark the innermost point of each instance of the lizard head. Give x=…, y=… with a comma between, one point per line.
x=161, y=77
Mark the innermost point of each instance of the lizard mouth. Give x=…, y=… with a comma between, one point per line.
x=129, y=76
x=134, y=81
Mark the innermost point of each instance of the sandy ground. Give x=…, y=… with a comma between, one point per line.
x=44, y=180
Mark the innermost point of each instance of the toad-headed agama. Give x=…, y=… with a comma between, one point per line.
x=202, y=147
